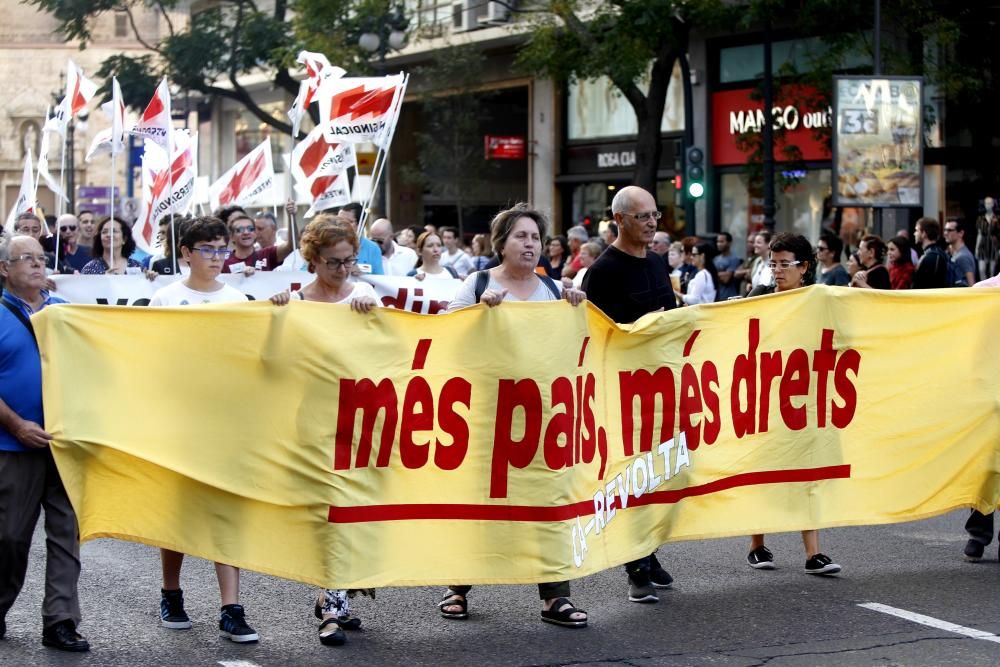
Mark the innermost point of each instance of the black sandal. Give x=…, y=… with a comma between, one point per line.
x=452, y=599
x=561, y=614
x=334, y=638
x=349, y=622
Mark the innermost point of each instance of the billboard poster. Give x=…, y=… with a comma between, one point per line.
x=877, y=141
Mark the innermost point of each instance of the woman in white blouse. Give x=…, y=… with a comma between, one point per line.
x=705, y=284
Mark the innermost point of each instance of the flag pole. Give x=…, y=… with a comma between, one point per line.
x=170, y=180
x=62, y=178
x=289, y=188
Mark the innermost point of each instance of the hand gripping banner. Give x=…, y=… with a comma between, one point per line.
x=524, y=443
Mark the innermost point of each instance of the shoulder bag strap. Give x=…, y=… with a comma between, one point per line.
x=22, y=319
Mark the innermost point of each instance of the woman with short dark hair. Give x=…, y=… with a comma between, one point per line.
x=793, y=264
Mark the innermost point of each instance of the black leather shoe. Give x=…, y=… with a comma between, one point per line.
x=64, y=637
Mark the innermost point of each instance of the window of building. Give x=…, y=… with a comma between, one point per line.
x=746, y=63
x=596, y=109
x=121, y=25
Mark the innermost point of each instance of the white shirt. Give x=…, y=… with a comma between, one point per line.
x=762, y=274
x=294, y=262
x=179, y=294
x=459, y=261
x=443, y=275
x=359, y=289
x=402, y=261
x=578, y=278
x=701, y=289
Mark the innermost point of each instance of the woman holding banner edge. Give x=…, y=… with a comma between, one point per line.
x=793, y=263
x=516, y=236
x=330, y=246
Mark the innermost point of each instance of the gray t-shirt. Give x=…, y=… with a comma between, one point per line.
x=964, y=261
x=466, y=295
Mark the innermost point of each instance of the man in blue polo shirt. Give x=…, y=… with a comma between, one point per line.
x=28, y=476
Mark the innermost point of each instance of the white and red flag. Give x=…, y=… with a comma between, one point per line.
x=248, y=182
x=111, y=140
x=318, y=68
x=25, y=202
x=155, y=121
x=315, y=156
x=42, y=171
x=357, y=109
x=79, y=91
x=159, y=198
x=325, y=192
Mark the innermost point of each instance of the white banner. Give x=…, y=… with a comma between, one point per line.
x=427, y=296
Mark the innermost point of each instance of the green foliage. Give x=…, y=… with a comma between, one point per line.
x=225, y=42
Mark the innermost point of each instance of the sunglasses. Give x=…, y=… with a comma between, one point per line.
x=245, y=229
x=68, y=228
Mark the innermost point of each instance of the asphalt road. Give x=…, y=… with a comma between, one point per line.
x=720, y=612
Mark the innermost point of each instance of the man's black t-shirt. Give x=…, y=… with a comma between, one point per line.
x=626, y=287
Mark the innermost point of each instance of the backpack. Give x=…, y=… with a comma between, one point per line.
x=938, y=256
x=483, y=281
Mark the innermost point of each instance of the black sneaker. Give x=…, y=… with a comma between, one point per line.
x=820, y=564
x=233, y=625
x=172, y=614
x=64, y=637
x=640, y=588
x=974, y=551
x=761, y=559
x=659, y=577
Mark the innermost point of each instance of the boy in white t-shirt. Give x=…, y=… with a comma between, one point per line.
x=204, y=245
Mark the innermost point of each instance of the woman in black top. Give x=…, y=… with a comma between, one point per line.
x=873, y=275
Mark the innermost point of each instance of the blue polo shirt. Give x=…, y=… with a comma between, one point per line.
x=20, y=368
x=369, y=253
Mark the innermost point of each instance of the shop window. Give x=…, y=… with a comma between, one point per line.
x=596, y=109
x=799, y=207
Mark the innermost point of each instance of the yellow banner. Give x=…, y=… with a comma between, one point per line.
x=526, y=443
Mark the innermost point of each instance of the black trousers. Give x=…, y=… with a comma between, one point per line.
x=980, y=527
x=29, y=481
x=556, y=589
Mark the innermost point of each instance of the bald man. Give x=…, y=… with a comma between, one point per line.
x=661, y=244
x=72, y=253
x=397, y=260
x=627, y=281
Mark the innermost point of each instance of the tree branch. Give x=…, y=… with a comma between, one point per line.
x=582, y=33
x=135, y=30
x=163, y=10
x=244, y=98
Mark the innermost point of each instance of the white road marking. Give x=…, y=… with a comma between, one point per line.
x=932, y=622
x=238, y=663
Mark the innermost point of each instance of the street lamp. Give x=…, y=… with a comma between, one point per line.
x=387, y=33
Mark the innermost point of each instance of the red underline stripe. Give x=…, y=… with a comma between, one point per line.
x=467, y=512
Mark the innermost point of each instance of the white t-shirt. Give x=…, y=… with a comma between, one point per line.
x=444, y=275
x=179, y=294
x=359, y=289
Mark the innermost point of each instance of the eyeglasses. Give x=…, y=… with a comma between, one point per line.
x=244, y=229
x=28, y=257
x=333, y=263
x=208, y=252
x=784, y=266
x=645, y=217
x=68, y=228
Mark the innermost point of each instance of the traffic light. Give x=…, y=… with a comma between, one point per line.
x=695, y=167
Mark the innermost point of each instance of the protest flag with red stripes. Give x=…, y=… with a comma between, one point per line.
x=248, y=182
x=155, y=120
